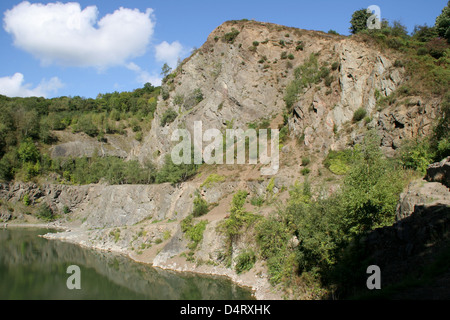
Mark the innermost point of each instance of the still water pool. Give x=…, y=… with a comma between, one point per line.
x=35, y=268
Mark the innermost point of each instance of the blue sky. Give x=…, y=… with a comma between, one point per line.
x=86, y=47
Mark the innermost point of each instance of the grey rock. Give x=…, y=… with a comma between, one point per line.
x=440, y=172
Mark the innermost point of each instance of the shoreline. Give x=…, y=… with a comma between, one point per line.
x=260, y=289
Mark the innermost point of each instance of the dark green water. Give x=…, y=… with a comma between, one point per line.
x=35, y=268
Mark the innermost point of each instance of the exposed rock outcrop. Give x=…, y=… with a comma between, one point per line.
x=242, y=83
x=409, y=245
x=439, y=172
x=421, y=193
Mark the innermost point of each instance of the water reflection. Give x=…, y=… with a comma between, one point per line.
x=35, y=268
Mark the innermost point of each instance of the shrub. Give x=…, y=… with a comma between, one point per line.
x=422, y=51
x=28, y=152
x=424, y=33
x=194, y=232
x=201, y=206
x=437, y=47
x=359, y=114
x=272, y=236
x=173, y=173
x=245, y=261
x=335, y=66
x=398, y=64
x=257, y=201
x=359, y=21
x=26, y=200
x=305, y=171
x=231, y=36
x=306, y=161
x=291, y=56
x=304, y=75
x=86, y=125
x=284, y=55
x=238, y=221
x=324, y=72
x=417, y=155
x=255, y=43
x=45, y=213
x=168, y=117
x=329, y=81
x=179, y=99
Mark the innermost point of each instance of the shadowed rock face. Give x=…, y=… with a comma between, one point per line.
x=410, y=245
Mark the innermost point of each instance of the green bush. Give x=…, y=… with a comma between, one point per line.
x=359, y=114
x=238, y=222
x=324, y=72
x=257, y=201
x=45, y=213
x=245, y=261
x=194, y=232
x=305, y=171
x=201, y=206
x=304, y=75
x=335, y=66
x=28, y=152
x=168, y=117
x=417, y=155
x=306, y=161
x=173, y=173
x=26, y=200
x=359, y=21
x=273, y=236
x=231, y=36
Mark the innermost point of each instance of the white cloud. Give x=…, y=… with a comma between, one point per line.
x=144, y=76
x=14, y=87
x=64, y=34
x=170, y=53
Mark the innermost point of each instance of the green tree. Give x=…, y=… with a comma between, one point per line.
x=443, y=23
x=28, y=152
x=371, y=189
x=359, y=21
x=166, y=70
x=173, y=173
x=424, y=33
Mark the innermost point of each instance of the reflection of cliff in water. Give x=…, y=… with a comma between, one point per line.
x=35, y=268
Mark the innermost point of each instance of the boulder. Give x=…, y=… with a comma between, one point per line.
x=439, y=172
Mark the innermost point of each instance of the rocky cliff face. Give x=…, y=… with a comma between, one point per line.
x=243, y=80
